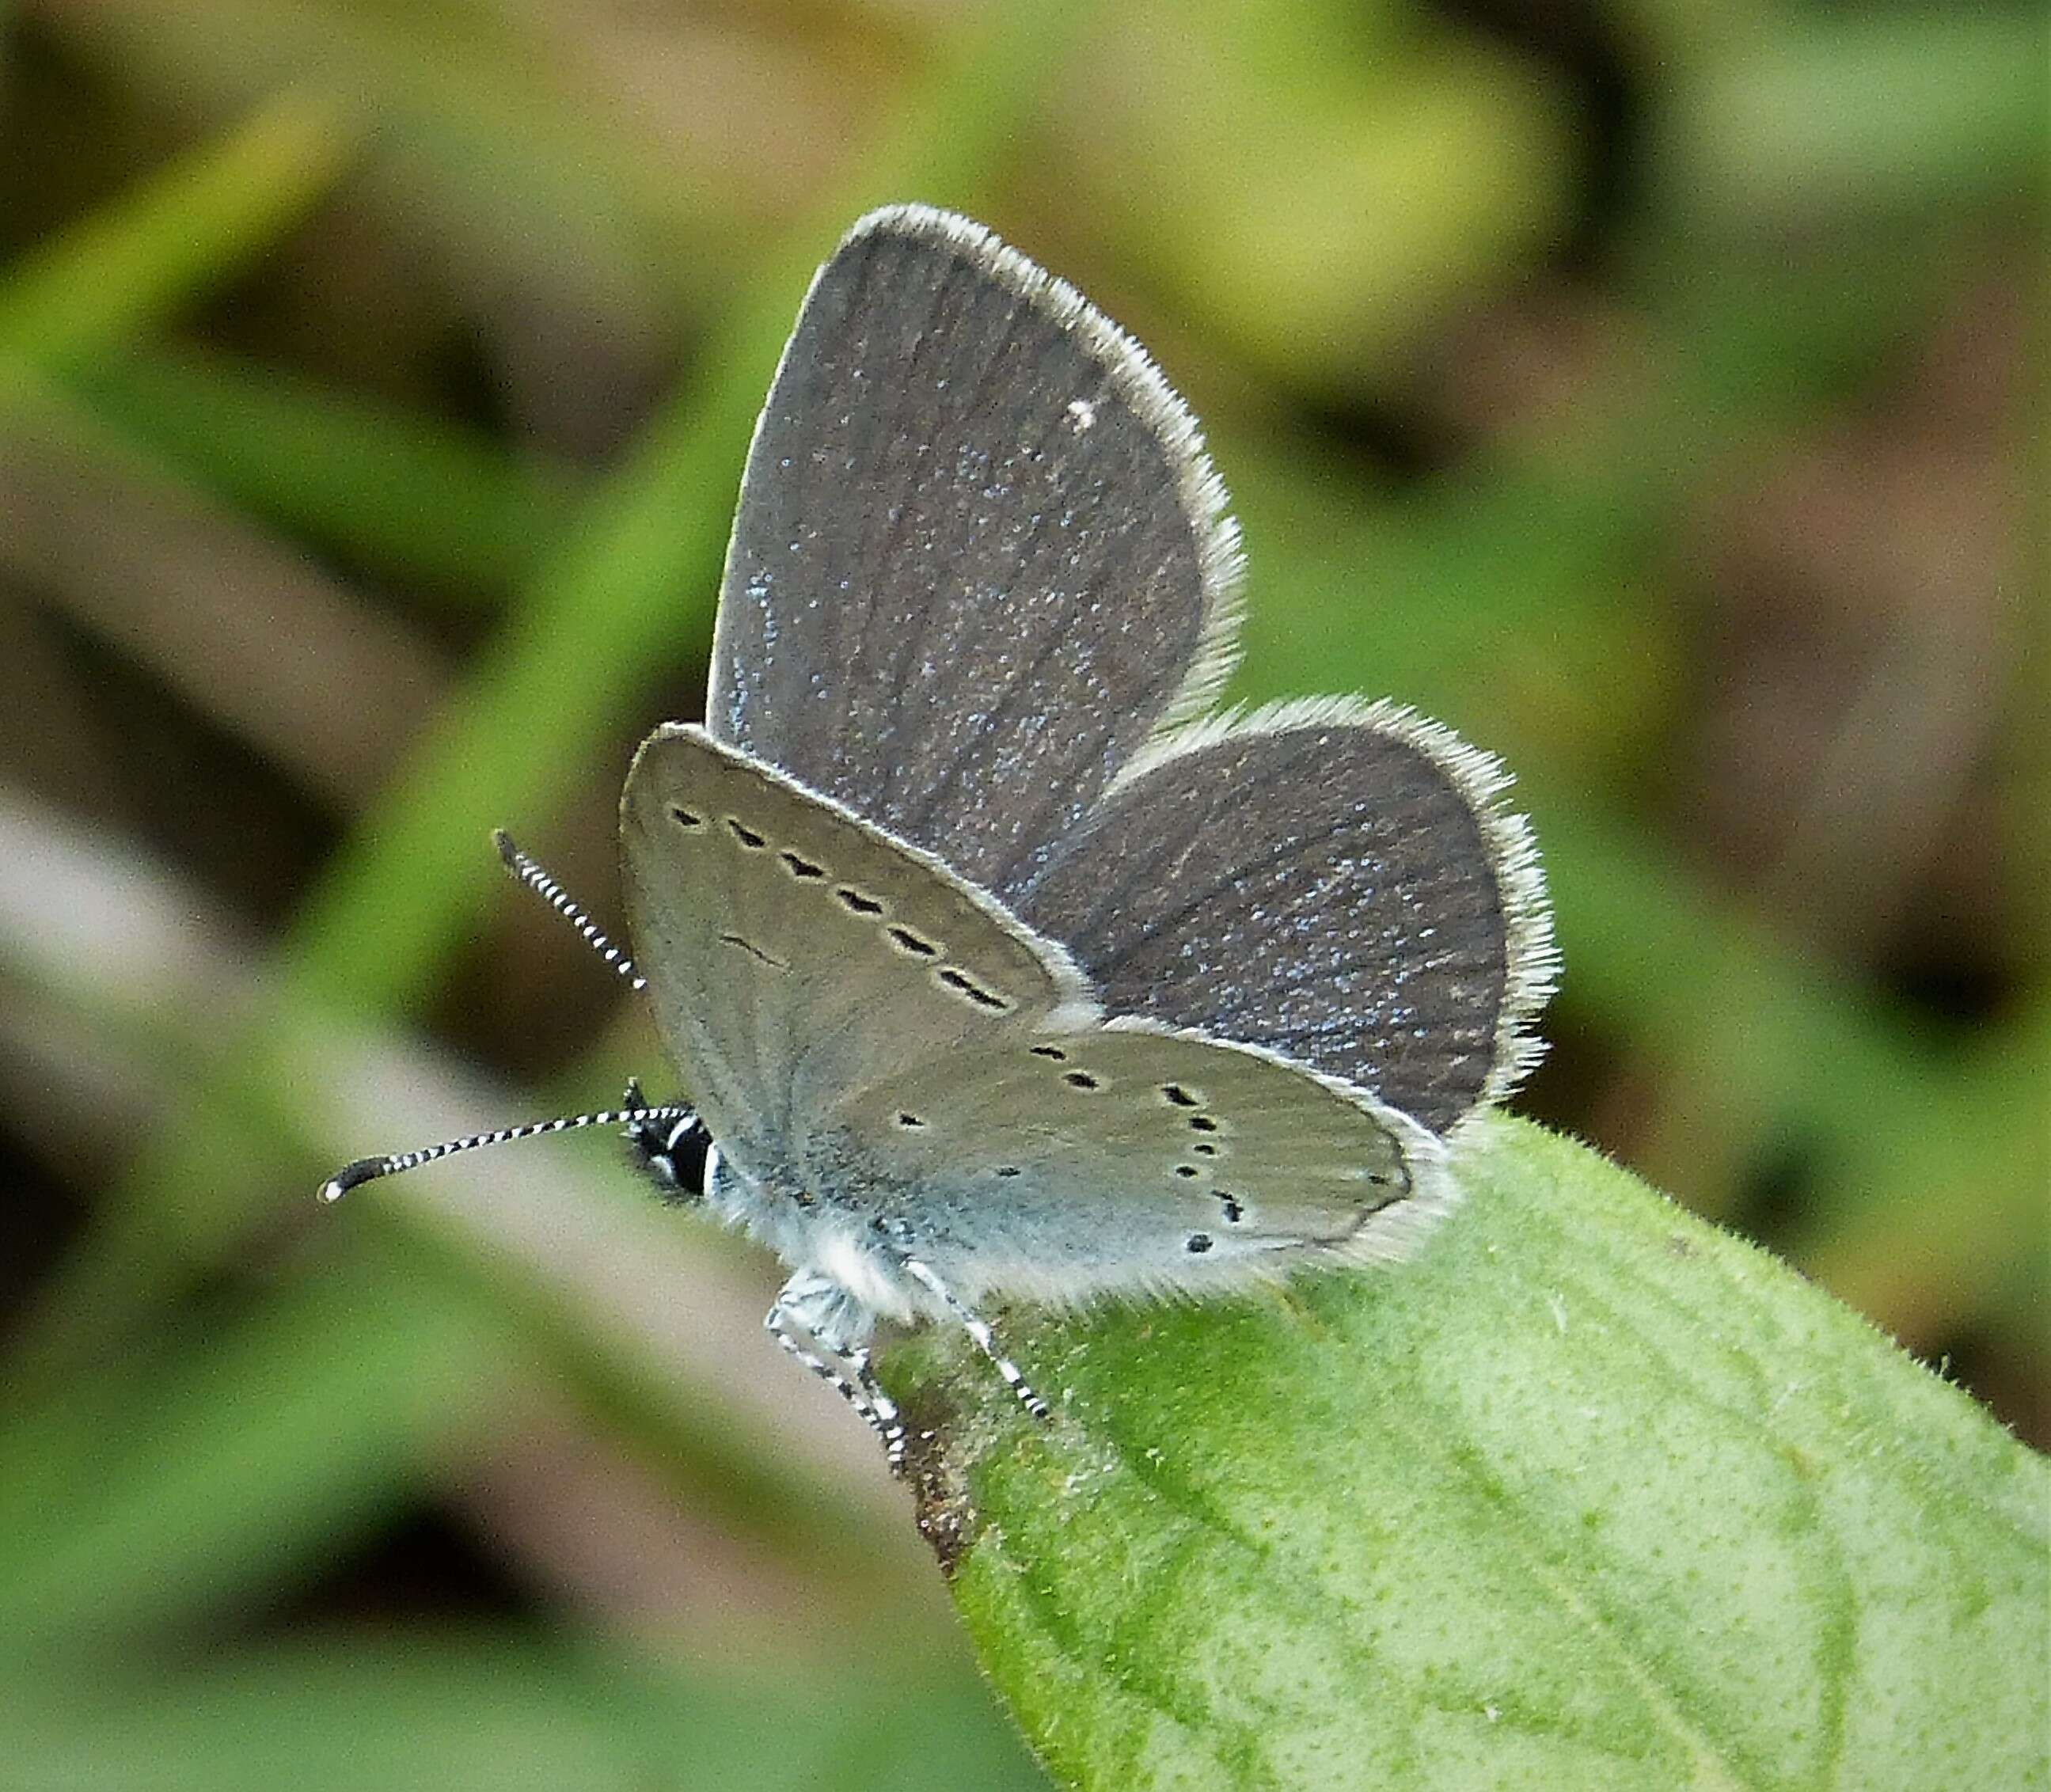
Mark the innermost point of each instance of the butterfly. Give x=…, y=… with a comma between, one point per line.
x=996, y=965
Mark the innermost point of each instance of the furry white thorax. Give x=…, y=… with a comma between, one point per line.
x=829, y=1244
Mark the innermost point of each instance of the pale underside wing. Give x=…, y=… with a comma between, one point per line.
x=1125, y=1159
x=1333, y=880
x=979, y=556
x=793, y=950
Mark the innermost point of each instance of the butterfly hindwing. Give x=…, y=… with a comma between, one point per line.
x=1338, y=881
x=1126, y=1158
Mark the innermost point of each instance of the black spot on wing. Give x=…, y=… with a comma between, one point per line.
x=965, y=984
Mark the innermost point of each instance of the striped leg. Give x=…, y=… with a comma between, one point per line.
x=978, y=1331
x=823, y=1311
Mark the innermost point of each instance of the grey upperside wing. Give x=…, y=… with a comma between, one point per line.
x=980, y=556
x=794, y=951
x=1336, y=881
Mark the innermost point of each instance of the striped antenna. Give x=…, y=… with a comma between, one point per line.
x=557, y=898
x=368, y=1170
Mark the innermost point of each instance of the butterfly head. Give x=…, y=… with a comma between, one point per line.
x=673, y=1148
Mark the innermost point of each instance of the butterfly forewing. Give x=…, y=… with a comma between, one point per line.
x=979, y=555
x=794, y=952
x=1125, y=1157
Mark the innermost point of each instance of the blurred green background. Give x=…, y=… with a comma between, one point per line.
x=1650, y=388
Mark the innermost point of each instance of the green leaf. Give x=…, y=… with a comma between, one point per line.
x=341, y=1711
x=1591, y=1494
x=123, y=269
x=403, y=493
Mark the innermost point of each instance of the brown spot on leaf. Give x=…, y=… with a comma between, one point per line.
x=942, y=1508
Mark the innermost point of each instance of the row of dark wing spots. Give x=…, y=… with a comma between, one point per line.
x=798, y=864
x=1176, y=1096
x=856, y=903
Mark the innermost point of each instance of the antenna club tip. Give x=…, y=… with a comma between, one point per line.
x=349, y=1176
x=508, y=853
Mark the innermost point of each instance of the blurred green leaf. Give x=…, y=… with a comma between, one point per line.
x=1909, y=108
x=122, y=271
x=210, y=1473
x=401, y=493
x=1590, y=1495
x=439, y=1712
